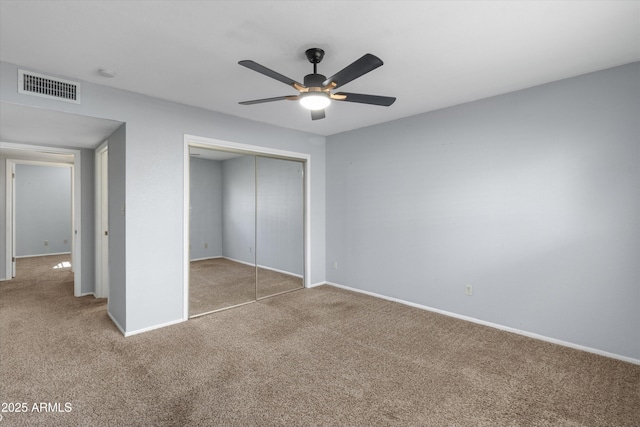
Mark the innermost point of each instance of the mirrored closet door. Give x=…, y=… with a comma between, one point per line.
x=246, y=228
x=221, y=230
x=279, y=226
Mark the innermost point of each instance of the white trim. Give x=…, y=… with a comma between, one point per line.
x=251, y=264
x=41, y=163
x=9, y=220
x=76, y=197
x=206, y=258
x=39, y=255
x=210, y=143
x=314, y=285
x=288, y=273
x=494, y=325
x=12, y=202
x=186, y=250
x=88, y=294
x=115, y=322
x=151, y=328
x=222, y=309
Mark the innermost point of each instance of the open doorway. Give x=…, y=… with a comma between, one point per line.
x=28, y=156
x=40, y=134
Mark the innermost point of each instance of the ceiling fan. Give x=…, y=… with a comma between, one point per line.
x=316, y=92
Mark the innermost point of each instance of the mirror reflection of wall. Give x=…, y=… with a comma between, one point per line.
x=243, y=209
x=222, y=230
x=280, y=225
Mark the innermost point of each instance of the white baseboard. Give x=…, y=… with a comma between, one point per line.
x=265, y=267
x=313, y=285
x=115, y=322
x=39, y=255
x=493, y=325
x=239, y=261
x=151, y=328
x=288, y=273
x=206, y=258
x=86, y=294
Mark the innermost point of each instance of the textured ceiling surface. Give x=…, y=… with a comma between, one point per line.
x=436, y=53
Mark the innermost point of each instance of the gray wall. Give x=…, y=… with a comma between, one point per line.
x=224, y=214
x=205, y=225
x=43, y=210
x=532, y=197
x=153, y=172
x=3, y=208
x=117, y=302
x=238, y=208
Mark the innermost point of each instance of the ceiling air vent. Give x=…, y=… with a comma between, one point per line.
x=48, y=87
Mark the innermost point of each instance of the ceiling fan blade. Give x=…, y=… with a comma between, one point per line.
x=384, y=101
x=260, y=101
x=356, y=69
x=269, y=73
x=317, y=114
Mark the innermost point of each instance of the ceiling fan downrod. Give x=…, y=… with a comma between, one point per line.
x=314, y=55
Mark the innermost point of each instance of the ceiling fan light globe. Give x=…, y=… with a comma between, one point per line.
x=315, y=101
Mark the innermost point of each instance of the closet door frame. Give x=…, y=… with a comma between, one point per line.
x=256, y=150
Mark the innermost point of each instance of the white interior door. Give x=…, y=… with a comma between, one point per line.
x=102, y=285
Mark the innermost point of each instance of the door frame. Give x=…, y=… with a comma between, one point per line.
x=218, y=144
x=10, y=200
x=102, y=260
x=76, y=211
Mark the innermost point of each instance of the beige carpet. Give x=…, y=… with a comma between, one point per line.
x=219, y=282
x=320, y=356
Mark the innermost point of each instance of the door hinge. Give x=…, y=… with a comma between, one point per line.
x=13, y=259
x=106, y=233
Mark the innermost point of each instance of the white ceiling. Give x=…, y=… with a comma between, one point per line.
x=436, y=53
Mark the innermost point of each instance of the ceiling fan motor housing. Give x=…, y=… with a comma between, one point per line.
x=314, y=80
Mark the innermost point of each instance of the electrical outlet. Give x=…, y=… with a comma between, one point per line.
x=468, y=289
x=335, y=265
x=206, y=245
x=46, y=243
x=65, y=241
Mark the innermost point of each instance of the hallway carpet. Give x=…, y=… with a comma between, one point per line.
x=321, y=356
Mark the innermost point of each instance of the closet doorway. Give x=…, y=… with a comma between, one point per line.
x=246, y=226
